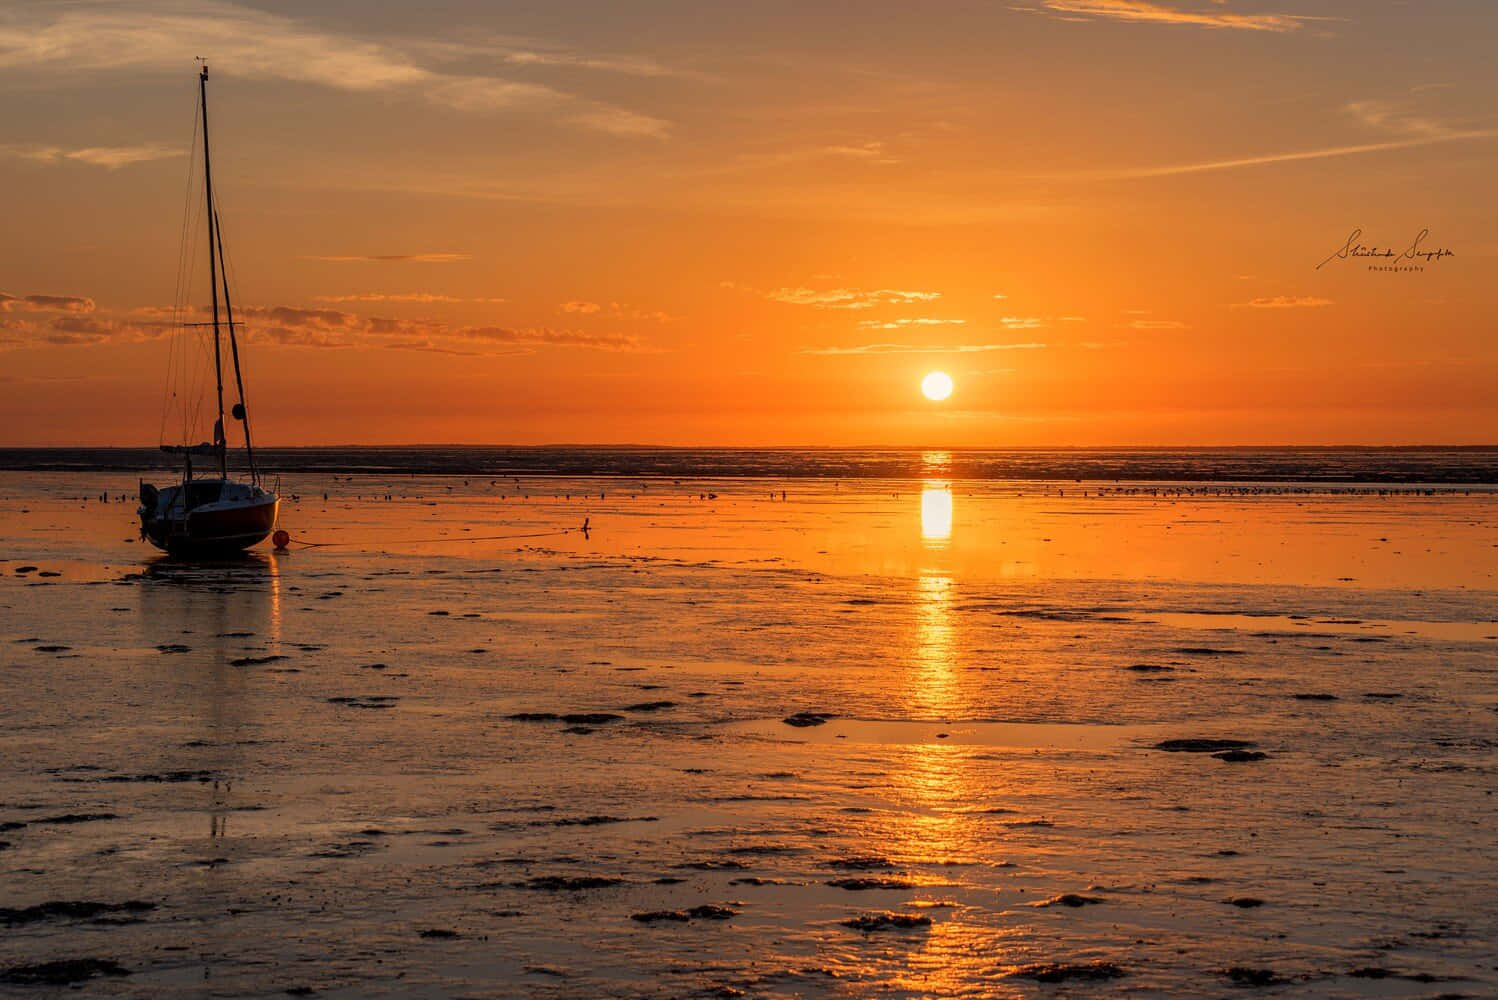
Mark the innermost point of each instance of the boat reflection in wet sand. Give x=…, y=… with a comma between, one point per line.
x=213, y=514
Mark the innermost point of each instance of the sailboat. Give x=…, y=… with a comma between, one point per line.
x=211, y=514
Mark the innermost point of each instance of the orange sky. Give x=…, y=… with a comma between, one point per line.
x=679, y=225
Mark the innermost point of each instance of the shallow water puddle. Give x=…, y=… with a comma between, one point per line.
x=1022, y=735
x=1439, y=631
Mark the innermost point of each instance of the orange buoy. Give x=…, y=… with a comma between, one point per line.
x=281, y=539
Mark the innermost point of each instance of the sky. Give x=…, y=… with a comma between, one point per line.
x=1113, y=222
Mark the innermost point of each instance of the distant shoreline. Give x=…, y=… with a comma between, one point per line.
x=1454, y=465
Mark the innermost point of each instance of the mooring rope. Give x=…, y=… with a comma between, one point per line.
x=430, y=541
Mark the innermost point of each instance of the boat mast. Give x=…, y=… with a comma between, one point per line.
x=241, y=409
x=219, y=443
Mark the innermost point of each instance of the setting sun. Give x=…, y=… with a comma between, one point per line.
x=937, y=386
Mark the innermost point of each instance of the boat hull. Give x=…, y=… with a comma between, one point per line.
x=220, y=528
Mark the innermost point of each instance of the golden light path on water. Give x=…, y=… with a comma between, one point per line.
x=935, y=782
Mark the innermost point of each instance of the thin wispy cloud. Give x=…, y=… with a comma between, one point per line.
x=1157, y=324
x=899, y=324
x=47, y=303
x=425, y=298
x=848, y=298
x=1022, y=322
x=1168, y=170
x=387, y=258
x=243, y=41
x=1283, y=302
x=622, y=65
x=72, y=325
x=1196, y=15
x=920, y=349
x=585, y=308
x=110, y=157
x=335, y=328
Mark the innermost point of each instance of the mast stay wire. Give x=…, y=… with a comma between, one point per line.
x=180, y=292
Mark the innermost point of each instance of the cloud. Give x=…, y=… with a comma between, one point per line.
x=623, y=65
x=1283, y=302
x=112, y=157
x=848, y=298
x=46, y=303
x=621, y=122
x=142, y=36
x=920, y=349
x=1022, y=322
x=1399, y=118
x=426, y=298
x=389, y=258
x=332, y=328
x=1160, y=13
x=580, y=307
x=896, y=324
x=1157, y=324
x=300, y=327
x=547, y=336
x=1168, y=170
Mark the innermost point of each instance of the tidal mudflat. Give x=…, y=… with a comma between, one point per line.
x=868, y=738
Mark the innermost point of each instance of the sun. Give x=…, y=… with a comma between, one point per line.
x=937, y=386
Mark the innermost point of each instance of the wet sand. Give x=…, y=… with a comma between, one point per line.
x=1143, y=743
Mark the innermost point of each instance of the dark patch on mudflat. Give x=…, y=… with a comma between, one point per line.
x=533, y=717
x=1062, y=972
x=861, y=863
x=440, y=934
x=70, y=818
x=650, y=706
x=1314, y=696
x=863, y=884
x=657, y=916
x=255, y=661
x=69, y=910
x=62, y=972
x=569, y=883
x=1072, y=899
x=1245, y=976
x=590, y=718
x=1149, y=668
x=1206, y=651
x=595, y=820
x=165, y=777
x=1241, y=756
x=365, y=700
x=1202, y=745
x=704, y=912
x=867, y=922
x=174, y=647
x=802, y=720
x=1244, y=902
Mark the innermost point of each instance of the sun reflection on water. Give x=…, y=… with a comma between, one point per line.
x=936, y=516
